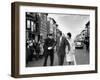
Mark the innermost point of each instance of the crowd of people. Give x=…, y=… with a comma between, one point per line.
x=65, y=48
x=33, y=50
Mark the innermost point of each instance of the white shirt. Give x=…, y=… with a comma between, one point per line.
x=60, y=39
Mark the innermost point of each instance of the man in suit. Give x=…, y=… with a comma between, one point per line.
x=61, y=46
x=49, y=49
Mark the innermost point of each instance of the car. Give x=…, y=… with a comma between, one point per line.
x=79, y=45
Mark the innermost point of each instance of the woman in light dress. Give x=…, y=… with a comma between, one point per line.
x=70, y=54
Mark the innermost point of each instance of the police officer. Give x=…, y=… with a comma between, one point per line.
x=49, y=45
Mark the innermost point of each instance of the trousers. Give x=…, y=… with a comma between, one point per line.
x=47, y=54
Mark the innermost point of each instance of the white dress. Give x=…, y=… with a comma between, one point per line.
x=70, y=55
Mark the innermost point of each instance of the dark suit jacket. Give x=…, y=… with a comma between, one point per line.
x=49, y=43
x=61, y=48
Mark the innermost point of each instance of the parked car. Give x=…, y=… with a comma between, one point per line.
x=79, y=45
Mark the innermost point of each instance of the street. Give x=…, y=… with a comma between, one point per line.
x=81, y=57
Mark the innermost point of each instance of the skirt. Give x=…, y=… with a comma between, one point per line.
x=70, y=57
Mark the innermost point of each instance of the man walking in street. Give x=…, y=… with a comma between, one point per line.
x=49, y=49
x=61, y=46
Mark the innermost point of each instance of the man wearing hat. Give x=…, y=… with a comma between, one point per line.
x=49, y=49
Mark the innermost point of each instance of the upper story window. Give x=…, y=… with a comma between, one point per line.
x=33, y=26
x=28, y=24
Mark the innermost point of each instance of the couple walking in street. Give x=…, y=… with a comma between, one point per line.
x=64, y=48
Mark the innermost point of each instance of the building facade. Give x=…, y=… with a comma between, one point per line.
x=85, y=34
x=43, y=23
x=32, y=26
x=53, y=27
x=36, y=26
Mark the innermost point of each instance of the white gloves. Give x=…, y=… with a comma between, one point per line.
x=49, y=48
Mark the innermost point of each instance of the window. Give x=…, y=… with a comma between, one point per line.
x=28, y=24
x=33, y=26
